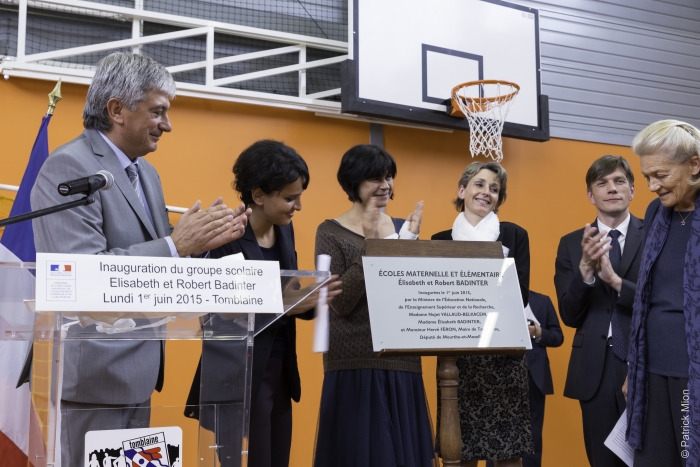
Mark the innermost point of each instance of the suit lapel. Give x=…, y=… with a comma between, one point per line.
x=251, y=250
x=538, y=311
x=110, y=162
x=149, y=183
x=286, y=247
x=249, y=245
x=632, y=244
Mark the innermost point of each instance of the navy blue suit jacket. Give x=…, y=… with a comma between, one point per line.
x=552, y=336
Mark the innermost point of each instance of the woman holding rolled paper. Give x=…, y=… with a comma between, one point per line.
x=492, y=396
x=373, y=410
x=270, y=178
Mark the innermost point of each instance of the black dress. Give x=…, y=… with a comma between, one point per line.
x=217, y=385
x=494, y=409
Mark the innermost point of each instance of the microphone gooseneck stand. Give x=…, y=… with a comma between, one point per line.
x=43, y=212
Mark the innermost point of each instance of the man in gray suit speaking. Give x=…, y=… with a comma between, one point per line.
x=107, y=384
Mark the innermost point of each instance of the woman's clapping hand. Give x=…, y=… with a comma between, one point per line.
x=415, y=218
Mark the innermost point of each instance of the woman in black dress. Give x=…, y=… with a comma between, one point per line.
x=270, y=178
x=493, y=402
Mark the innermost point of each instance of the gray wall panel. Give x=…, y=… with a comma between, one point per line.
x=661, y=97
x=555, y=67
x=640, y=13
x=611, y=67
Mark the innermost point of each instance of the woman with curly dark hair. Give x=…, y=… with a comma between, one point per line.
x=270, y=178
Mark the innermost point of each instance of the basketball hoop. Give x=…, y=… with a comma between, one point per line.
x=485, y=105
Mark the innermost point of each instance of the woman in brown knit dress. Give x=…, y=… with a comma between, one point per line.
x=373, y=410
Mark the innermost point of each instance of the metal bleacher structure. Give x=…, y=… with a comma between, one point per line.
x=267, y=52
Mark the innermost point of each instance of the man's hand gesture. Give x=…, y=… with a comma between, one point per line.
x=593, y=249
x=199, y=231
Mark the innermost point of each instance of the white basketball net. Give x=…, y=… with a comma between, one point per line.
x=485, y=106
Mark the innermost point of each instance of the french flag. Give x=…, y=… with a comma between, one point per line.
x=21, y=440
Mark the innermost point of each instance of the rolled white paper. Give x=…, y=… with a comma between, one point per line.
x=405, y=234
x=530, y=315
x=323, y=263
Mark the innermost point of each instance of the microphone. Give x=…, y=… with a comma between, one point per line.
x=102, y=180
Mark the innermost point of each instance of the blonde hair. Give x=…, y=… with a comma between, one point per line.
x=473, y=169
x=680, y=141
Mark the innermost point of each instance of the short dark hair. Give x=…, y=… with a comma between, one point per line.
x=604, y=166
x=364, y=162
x=268, y=165
x=473, y=169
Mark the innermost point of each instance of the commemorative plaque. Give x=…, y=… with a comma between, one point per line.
x=444, y=303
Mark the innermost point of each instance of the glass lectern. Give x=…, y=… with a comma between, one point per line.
x=202, y=361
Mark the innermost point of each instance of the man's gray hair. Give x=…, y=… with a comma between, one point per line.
x=127, y=77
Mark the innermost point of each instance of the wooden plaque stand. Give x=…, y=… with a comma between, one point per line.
x=447, y=373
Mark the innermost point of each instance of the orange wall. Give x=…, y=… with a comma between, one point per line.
x=546, y=196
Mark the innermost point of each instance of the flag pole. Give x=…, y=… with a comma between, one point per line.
x=54, y=97
x=20, y=239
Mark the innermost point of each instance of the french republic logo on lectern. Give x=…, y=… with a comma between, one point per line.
x=61, y=281
x=61, y=270
x=141, y=447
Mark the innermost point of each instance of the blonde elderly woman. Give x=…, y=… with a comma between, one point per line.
x=494, y=411
x=664, y=357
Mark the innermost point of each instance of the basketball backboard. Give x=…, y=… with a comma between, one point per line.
x=407, y=55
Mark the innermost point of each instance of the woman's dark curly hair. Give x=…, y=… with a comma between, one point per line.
x=268, y=165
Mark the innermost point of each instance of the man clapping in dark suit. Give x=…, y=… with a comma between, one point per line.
x=596, y=275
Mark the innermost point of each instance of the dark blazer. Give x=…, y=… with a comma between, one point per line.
x=514, y=238
x=588, y=309
x=222, y=373
x=537, y=359
x=649, y=216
